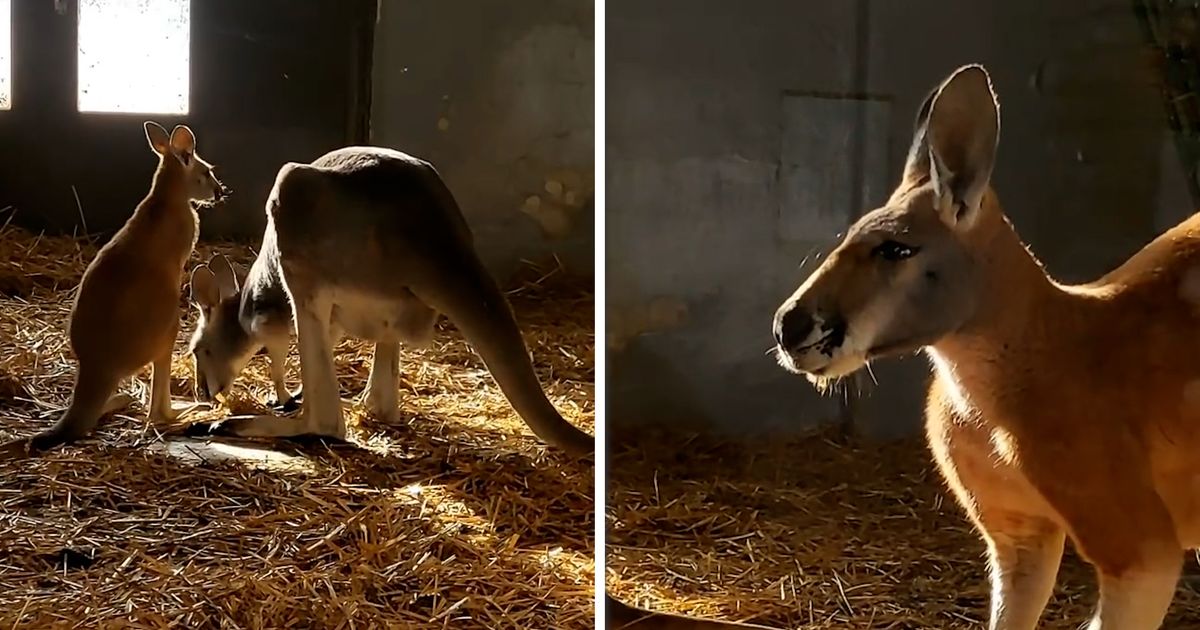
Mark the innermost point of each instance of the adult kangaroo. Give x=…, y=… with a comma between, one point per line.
x=1055, y=410
x=370, y=242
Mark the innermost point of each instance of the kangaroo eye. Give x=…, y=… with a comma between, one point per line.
x=893, y=251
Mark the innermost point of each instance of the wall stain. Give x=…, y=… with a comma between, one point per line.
x=564, y=192
x=625, y=323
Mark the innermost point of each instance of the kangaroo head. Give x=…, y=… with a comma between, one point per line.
x=905, y=274
x=220, y=347
x=200, y=184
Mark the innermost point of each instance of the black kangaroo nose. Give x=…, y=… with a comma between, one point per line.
x=792, y=327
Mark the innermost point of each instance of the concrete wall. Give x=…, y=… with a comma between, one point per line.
x=708, y=218
x=499, y=96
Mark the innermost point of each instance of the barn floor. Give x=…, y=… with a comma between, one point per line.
x=456, y=518
x=811, y=533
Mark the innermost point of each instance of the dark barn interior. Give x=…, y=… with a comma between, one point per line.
x=270, y=82
x=452, y=514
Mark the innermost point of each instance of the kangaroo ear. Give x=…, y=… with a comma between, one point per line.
x=963, y=132
x=223, y=275
x=159, y=141
x=202, y=289
x=917, y=164
x=183, y=144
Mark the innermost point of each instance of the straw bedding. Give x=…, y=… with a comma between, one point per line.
x=811, y=533
x=455, y=518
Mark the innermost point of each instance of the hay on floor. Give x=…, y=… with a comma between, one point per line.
x=457, y=517
x=809, y=533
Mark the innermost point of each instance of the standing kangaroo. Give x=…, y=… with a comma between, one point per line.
x=126, y=311
x=368, y=241
x=1055, y=410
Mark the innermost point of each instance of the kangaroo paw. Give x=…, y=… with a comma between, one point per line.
x=288, y=406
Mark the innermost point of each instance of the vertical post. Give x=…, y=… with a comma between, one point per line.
x=364, y=19
x=1179, y=71
x=857, y=384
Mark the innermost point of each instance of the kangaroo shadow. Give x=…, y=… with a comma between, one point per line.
x=543, y=496
x=381, y=525
x=548, y=494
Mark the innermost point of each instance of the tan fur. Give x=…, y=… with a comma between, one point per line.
x=126, y=311
x=369, y=242
x=1056, y=411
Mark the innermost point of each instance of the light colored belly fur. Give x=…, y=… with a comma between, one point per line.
x=383, y=319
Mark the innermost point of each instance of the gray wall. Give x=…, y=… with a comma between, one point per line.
x=717, y=187
x=499, y=96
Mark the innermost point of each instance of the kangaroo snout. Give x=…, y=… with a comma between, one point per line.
x=220, y=191
x=207, y=389
x=202, y=389
x=793, y=324
x=806, y=339
x=215, y=372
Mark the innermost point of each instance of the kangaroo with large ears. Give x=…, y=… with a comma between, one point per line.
x=1055, y=411
x=126, y=312
x=238, y=320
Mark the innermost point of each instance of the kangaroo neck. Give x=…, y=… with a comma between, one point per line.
x=1017, y=310
x=164, y=223
x=169, y=186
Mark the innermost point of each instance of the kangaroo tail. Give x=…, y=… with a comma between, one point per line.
x=471, y=300
x=87, y=404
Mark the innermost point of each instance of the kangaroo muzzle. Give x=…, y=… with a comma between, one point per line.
x=807, y=339
x=220, y=191
x=202, y=389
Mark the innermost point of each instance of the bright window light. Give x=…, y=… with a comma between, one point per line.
x=134, y=56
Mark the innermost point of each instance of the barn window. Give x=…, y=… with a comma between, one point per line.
x=5, y=54
x=134, y=56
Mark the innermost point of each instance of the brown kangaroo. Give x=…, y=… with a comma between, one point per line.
x=370, y=242
x=1055, y=410
x=621, y=616
x=126, y=311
